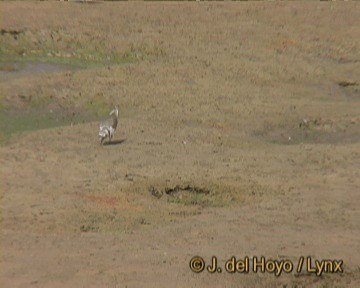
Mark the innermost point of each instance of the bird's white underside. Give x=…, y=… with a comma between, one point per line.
x=108, y=127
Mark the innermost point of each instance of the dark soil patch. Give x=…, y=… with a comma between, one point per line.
x=207, y=195
x=187, y=188
x=346, y=83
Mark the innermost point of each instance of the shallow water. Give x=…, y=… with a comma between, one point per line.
x=16, y=120
x=9, y=70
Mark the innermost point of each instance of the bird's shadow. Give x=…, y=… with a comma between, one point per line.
x=115, y=142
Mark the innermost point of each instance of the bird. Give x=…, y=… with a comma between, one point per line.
x=108, y=126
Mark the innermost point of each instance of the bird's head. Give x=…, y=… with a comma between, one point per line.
x=115, y=112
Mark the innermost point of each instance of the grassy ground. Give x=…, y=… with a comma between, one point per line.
x=238, y=136
x=63, y=50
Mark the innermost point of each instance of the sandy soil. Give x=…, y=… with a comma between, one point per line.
x=239, y=136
